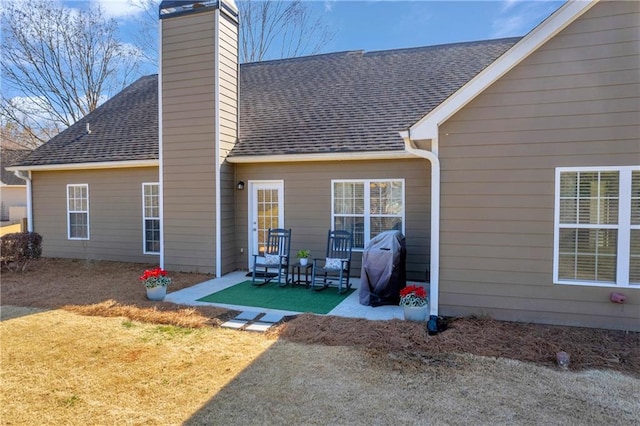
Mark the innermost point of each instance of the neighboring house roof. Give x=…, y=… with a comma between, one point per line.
x=7, y=158
x=341, y=102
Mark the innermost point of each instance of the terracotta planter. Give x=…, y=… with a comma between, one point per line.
x=156, y=293
x=416, y=313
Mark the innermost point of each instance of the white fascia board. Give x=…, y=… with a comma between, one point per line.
x=12, y=186
x=334, y=156
x=87, y=166
x=231, y=4
x=427, y=127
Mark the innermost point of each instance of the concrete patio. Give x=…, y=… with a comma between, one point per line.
x=349, y=308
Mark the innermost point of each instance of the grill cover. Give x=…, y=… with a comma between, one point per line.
x=383, y=272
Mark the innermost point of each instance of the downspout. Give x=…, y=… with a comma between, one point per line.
x=432, y=156
x=216, y=77
x=26, y=176
x=160, y=148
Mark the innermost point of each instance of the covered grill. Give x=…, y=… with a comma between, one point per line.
x=383, y=269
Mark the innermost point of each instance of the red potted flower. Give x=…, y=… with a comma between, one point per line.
x=414, y=302
x=156, y=282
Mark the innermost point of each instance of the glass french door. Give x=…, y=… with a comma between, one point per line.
x=266, y=211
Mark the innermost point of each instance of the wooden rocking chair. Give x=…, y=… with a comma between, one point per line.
x=275, y=257
x=337, y=263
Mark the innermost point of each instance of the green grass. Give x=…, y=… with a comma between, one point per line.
x=271, y=296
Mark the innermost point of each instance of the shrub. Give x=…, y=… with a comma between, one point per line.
x=16, y=250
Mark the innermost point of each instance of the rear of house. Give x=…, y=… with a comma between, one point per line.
x=317, y=196
x=523, y=205
x=95, y=187
x=541, y=183
x=98, y=214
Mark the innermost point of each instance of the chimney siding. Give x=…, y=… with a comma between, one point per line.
x=191, y=68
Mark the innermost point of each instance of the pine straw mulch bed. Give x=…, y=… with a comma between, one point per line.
x=101, y=288
x=588, y=348
x=112, y=289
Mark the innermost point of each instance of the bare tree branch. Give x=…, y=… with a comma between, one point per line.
x=269, y=29
x=58, y=64
x=146, y=38
x=14, y=135
x=272, y=29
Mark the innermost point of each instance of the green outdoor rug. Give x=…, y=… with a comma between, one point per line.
x=271, y=296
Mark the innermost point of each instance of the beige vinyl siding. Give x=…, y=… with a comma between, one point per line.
x=228, y=70
x=307, y=198
x=188, y=148
x=227, y=218
x=189, y=131
x=115, y=213
x=574, y=102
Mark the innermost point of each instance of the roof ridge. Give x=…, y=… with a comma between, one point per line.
x=303, y=58
x=443, y=45
x=363, y=52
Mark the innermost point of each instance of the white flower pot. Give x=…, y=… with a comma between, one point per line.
x=416, y=313
x=304, y=261
x=156, y=293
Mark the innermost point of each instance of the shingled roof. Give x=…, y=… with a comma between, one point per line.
x=340, y=102
x=123, y=128
x=351, y=101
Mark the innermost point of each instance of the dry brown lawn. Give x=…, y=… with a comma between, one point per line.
x=63, y=368
x=80, y=344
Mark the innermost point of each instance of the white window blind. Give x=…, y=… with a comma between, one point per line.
x=634, y=250
x=597, y=226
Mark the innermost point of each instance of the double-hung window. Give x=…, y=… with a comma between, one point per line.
x=597, y=226
x=151, y=217
x=367, y=207
x=78, y=212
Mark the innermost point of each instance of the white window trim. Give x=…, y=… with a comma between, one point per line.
x=144, y=218
x=367, y=205
x=624, y=227
x=69, y=211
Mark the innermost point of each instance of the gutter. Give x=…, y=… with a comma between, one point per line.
x=26, y=176
x=432, y=156
x=86, y=166
x=330, y=156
